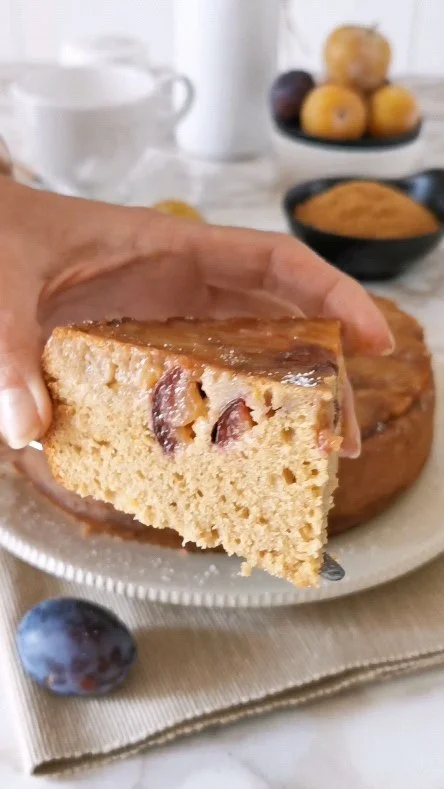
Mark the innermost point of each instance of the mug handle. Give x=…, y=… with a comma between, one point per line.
x=178, y=79
x=167, y=76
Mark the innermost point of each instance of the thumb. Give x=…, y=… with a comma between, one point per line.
x=25, y=407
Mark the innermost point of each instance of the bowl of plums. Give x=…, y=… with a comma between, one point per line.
x=353, y=120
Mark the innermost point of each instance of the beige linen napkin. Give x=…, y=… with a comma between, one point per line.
x=201, y=667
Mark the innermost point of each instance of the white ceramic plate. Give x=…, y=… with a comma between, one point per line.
x=403, y=538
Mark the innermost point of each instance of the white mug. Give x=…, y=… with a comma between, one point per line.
x=86, y=128
x=129, y=51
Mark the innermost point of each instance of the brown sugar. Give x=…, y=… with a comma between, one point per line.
x=366, y=209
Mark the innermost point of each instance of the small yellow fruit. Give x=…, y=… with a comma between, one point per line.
x=334, y=112
x=358, y=57
x=180, y=209
x=393, y=110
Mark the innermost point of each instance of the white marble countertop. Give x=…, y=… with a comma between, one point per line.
x=387, y=736
x=384, y=737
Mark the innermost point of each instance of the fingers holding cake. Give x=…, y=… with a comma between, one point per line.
x=287, y=270
x=25, y=408
x=320, y=290
x=238, y=271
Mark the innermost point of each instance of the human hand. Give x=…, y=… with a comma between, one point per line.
x=66, y=260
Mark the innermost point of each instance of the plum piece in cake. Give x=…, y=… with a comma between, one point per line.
x=226, y=431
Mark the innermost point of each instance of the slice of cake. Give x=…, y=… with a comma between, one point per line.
x=226, y=431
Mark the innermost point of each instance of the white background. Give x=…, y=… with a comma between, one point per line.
x=382, y=737
x=35, y=28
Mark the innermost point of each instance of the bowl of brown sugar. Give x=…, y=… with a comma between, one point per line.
x=370, y=229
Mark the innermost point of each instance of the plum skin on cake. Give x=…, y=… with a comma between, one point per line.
x=226, y=431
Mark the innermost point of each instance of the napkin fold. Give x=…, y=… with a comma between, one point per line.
x=198, y=667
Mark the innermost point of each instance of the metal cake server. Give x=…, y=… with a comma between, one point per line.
x=331, y=570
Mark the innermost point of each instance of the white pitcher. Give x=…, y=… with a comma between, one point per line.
x=228, y=50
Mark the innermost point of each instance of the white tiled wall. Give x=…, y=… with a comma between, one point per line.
x=45, y=23
x=35, y=28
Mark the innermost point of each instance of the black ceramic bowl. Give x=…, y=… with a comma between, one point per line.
x=371, y=259
x=293, y=131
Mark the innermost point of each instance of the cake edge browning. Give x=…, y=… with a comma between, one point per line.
x=395, y=450
x=313, y=357
x=410, y=439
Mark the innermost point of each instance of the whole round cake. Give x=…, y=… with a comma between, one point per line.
x=395, y=400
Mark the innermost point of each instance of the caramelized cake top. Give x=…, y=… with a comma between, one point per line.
x=289, y=350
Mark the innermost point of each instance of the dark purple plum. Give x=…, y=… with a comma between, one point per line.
x=288, y=93
x=75, y=648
